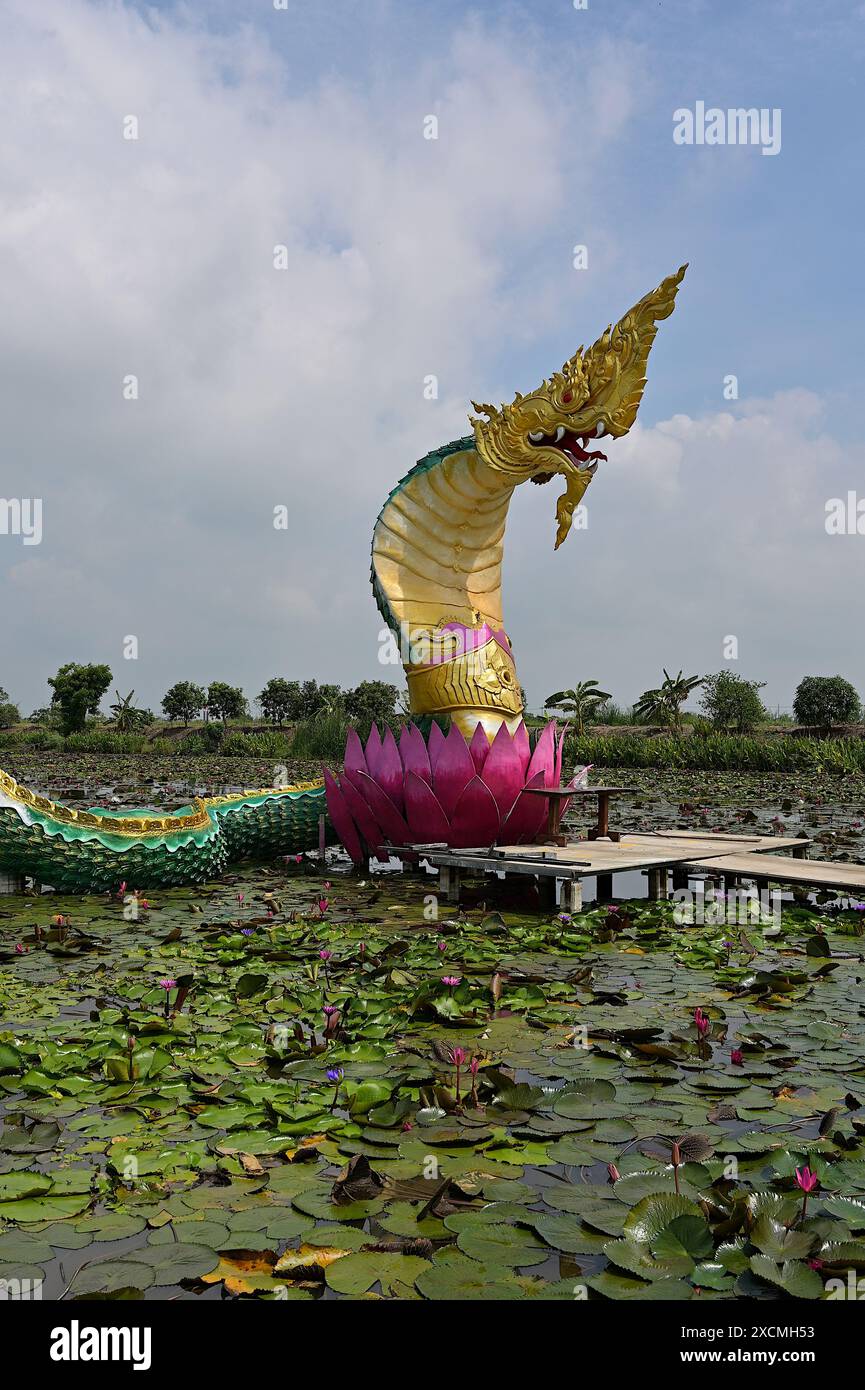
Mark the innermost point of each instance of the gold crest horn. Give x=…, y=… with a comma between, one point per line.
x=616, y=364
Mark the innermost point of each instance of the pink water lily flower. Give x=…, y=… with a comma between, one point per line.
x=458, y=1056
x=442, y=788
x=807, y=1181
x=451, y=980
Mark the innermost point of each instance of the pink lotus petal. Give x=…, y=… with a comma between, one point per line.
x=523, y=746
x=479, y=747
x=413, y=751
x=389, y=773
x=362, y=815
x=543, y=758
x=342, y=819
x=386, y=813
x=373, y=751
x=503, y=773
x=354, y=758
x=476, y=821
x=435, y=744
x=426, y=819
x=527, y=817
x=453, y=770
x=560, y=749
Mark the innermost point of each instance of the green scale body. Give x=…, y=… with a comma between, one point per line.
x=94, y=851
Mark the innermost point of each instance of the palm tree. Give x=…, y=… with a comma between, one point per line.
x=663, y=705
x=581, y=702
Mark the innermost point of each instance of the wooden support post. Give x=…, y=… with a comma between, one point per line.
x=680, y=876
x=572, y=895
x=604, y=891
x=800, y=851
x=548, y=891
x=449, y=883
x=657, y=884
x=322, y=837
x=11, y=883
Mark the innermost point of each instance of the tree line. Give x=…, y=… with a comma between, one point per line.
x=78, y=690
x=728, y=702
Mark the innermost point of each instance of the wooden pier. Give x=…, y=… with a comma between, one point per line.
x=680, y=854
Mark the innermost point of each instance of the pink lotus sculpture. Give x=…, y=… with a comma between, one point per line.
x=443, y=789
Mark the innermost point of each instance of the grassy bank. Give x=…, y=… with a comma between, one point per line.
x=720, y=753
x=317, y=738
x=324, y=739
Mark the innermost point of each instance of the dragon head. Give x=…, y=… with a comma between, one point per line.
x=596, y=394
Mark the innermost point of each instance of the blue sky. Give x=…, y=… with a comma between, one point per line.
x=407, y=257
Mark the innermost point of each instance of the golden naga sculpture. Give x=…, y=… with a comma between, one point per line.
x=437, y=544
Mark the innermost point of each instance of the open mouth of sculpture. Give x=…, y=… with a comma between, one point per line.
x=572, y=446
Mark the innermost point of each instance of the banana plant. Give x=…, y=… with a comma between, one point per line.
x=581, y=702
x=664, y=704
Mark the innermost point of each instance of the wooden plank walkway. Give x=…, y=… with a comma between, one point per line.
x=684, y=852
x=814, y=873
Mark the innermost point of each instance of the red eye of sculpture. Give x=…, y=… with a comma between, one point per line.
x=568, y=396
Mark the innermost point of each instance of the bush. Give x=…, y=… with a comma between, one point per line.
x=9, y=715
x=826, y=700
x=320, y=738
x=104, y=741
x=255, y=746
x=206, y=740
x=39, y=740
x=611, y=713
x=731, y=702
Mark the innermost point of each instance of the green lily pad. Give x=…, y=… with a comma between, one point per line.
x=355, y=1274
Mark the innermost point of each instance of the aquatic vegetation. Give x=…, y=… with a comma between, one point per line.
x=189, y=1108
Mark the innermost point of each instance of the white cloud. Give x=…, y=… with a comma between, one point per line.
x=304, y=387
x=700, y=528
x=257, y=387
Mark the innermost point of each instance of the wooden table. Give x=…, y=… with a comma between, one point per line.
x=557, y=797
x=602, y=831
